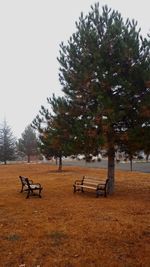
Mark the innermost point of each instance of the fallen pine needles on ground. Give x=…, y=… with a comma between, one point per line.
x=63, y=229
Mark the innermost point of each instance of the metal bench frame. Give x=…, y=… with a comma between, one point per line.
x=30, y=187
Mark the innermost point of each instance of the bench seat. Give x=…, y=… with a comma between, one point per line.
x=98, y=185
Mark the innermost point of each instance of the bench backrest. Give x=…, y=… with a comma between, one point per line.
x=28, y=182
x=94, y=180
x=25, y=181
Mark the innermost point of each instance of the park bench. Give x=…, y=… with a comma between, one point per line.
x=92, y=183
x=30, y=187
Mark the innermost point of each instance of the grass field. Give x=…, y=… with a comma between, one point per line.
x=63, y=229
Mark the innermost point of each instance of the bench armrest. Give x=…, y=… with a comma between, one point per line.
x=78, y=182
x=101, y=185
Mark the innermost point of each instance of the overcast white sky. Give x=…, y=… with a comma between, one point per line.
x=31, y=32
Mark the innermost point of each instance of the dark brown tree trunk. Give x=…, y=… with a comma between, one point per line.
x=60, y=163
x=28, y=158
x=111, y=170
x=131, y=164
x=147, y=156
x=111, y=164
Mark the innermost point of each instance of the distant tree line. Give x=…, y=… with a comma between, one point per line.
x=13, y=149
x=105, y=78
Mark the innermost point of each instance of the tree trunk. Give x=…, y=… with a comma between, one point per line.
x=60, y=163
x=131, y=164
x=147, y=156
x=111, y=168
x=28, y=158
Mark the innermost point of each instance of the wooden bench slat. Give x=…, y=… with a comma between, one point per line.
x=88, y=182
x=84, y=186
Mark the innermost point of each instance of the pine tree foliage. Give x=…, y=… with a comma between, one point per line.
x=7, y=143
x=55, y=130
x=28, y=143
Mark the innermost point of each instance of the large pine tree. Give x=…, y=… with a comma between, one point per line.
x=103, y=71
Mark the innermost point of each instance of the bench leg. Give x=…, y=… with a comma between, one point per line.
x=28, y=194
x=74, y=189
x=21, y=189
x=97, y=193
x=77, y=188
x=40, y=192
x=105, y=193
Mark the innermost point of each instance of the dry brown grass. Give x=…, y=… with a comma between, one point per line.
x=63, y=229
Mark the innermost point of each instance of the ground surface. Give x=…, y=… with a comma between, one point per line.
x=63, y=229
